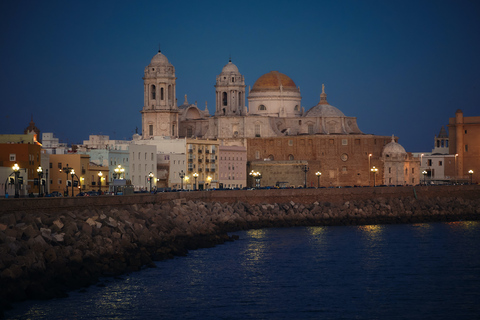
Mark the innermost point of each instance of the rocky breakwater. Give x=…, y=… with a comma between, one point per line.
x=45, y=254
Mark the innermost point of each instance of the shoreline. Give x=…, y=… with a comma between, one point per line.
x=48, y=253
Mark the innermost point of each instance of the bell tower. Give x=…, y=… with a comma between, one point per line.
x=160, y=112
x=230, y=92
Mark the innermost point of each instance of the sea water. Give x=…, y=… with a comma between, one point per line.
x=410, y=271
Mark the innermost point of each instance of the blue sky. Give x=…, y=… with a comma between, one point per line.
x=400, y=67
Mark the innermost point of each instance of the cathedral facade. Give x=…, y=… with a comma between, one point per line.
x=271, y=127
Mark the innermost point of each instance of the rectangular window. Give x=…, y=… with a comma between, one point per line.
x=290, y=142
x=257, y=154
x=466, y=148
x=59, y=165
x=344, y=169
x=150, y=129
x=413, y=170
x=429, y=162
x=331, y=141
x=257, y=130
x=440, y=163
x=13, y=157
x=344, y=142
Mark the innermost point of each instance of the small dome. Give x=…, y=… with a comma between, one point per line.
x=272, y=81
x=324, y=110
x=230, y=68
x=393, y=149
x=159, y=60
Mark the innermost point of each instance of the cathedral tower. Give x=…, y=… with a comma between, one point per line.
x=230, y=92
x=160, y=112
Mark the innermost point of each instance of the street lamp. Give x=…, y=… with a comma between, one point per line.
x=305, y=169
x=471, y=176
x=150, y=175
x=16, y=171
x=318, y=174
x=374, y=170
x=209, y=179
x=40, y=175
x=195, y=175
x=181, y=174
x=257, y=176
x=72, y=173
x=369, y=159
x=67, y=171
x=118, y=172
x=456, y=175
x=424, y=172
x=100, y=174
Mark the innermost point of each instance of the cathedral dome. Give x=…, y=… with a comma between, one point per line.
x=159, y=60
x=230, y=68
x=324, y=110
x=393, y=149
x=274, y=81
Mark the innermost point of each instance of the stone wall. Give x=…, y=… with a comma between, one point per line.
x=50, y=246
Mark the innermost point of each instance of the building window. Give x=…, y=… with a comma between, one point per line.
x=466, y=148
x=290, y=157
x=257, y=154
x=429, y=162
x=440, y=163
x=189, y=131
x=331, y=141
x=344, y=142
x=152, y=91
x=310, y=129
x=344, y=169
x=13, y=157
x=290, y=142
x=413, y=170
x=297, y=108
x=150, y=129
x=257, y=130
x=161, y=94
x=59, y=165
x=224, y=98
x=262, y=107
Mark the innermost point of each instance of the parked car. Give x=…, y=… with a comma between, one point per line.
x=54, y=194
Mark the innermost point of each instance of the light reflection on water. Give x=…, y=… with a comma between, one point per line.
x=357, y=272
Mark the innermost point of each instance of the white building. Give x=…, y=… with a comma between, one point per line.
x=52, y=145
x=143, y=162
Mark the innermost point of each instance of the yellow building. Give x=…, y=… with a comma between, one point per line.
x=202, y=164
x=85, y=174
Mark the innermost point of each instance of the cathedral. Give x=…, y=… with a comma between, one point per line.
x=282, y=139
x=274, y=108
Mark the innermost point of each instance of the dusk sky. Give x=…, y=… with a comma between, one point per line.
x=400, y=67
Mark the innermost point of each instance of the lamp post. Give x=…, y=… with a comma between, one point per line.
x=424, y=172
x=195, y=175
x=318, y=174
x=456, y=155
x=16, y=171
x=369, y=161
x=118, y=171
x=150, y=176
x=471, y=176
x=305, y=169
x=40, y=175
x=209, y=179
x=257, y=176
x=374, y=170
x=100, y=174
x=72, y=173
x=67, y=171
x=181, y=174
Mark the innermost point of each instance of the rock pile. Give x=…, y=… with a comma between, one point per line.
x=44, y=254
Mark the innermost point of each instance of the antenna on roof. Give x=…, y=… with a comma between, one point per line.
x=159, y=47
x=230, y=58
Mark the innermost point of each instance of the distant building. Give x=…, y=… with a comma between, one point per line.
x=52, y=145
x=232, y=167
x=464, y=138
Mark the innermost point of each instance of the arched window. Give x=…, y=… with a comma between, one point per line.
x=224, y=98
x=297, y=108
x=262, y=107
x=291, y=157
x=161, y=94
x=271, y=157
x=257, y=130
x=152, y=91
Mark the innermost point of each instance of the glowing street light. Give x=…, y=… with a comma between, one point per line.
x=40, y=175
x=195, y=175
x=150, y=178
x=209, y=180
x=424, y=172
x=72, y=173
x=257, y=176
x=471, y=176
x=374, y=170
x=16, y=171
x=100, y=174
x=318, y=174
x=118, y=172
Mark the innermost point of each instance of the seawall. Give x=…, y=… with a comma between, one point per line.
x=50, y=246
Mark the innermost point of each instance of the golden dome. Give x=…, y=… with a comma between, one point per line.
x=272, y=81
